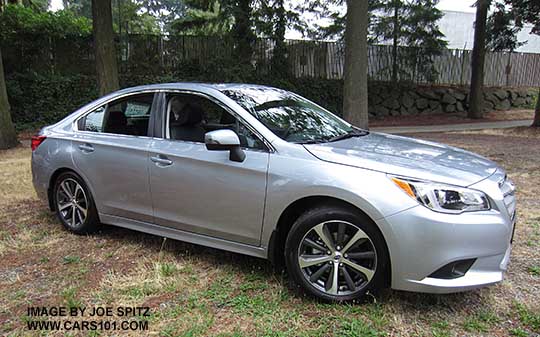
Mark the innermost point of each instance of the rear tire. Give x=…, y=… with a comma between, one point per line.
x=74, y=204
x=336, y=254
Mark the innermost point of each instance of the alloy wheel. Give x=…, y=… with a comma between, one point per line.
x=71, y=202
x=337, y=258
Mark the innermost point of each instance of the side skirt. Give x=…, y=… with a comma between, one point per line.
x=180, y=235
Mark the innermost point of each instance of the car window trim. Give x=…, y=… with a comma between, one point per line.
x=163, y=111
x=75, y=123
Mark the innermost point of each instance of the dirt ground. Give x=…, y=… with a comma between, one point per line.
x=198, y=291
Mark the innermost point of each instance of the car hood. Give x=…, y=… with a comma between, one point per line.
x=407, y=157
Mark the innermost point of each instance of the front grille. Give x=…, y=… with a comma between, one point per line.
x=509, y=192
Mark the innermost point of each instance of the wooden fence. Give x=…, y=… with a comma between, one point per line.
x=452, y=67
x=154, y=54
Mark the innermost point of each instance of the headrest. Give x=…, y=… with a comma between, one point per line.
x=185, y=114
x=227, y=118
x=117, y=117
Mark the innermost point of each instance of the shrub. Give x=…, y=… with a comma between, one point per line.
x=37, y=100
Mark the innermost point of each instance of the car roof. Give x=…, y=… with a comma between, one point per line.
x=193, y=86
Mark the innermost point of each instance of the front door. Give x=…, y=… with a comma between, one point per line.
x=202, y=191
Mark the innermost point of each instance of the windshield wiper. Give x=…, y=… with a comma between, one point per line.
x=313, y=141
x=351, y=134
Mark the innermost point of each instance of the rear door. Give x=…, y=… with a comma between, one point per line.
x=202, y=191
x=111, y=153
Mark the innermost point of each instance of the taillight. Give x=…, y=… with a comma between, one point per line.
x=36, y=141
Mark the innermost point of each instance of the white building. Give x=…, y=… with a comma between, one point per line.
x=458, y=28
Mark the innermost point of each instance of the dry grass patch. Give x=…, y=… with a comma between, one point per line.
x=14, y=174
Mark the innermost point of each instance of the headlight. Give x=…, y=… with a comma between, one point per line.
x=444, y=198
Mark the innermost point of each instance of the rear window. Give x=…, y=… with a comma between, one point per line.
x=125, y=116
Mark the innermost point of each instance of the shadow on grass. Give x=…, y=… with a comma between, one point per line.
x=248, y=265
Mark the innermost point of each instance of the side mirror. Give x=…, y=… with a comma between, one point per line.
x=225, y=140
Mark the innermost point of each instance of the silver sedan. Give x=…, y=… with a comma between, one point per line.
x=264, y=172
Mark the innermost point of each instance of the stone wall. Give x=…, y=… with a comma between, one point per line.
x=388, y=100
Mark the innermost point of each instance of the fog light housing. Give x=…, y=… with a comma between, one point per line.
x=453, y=270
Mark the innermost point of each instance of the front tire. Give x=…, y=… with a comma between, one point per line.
x=336, y=254
x=74, y=204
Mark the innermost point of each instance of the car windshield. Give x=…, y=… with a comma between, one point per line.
x=291, y=117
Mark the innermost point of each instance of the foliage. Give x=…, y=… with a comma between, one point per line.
x=54, y=96
x=15, y=20
x=202, y=18
x=232, y=17
x=37, y=5
x=508, y=18
x=79, y=7
x=243, y=21
x=501, y=30
x=518, y=12
x=272, y=20
x=131, y=16
x=272, y=17
x=526, y=11
x=333, y=14
x=409, y=23
x=164, y=11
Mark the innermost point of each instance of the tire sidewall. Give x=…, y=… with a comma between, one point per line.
x=91, y=220
x=319, y=215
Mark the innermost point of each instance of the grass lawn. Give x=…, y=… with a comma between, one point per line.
x=198, y=291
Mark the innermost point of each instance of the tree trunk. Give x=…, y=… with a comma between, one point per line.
x=395, y=36
x=536, y=122
x=476, y=101
x=104, y=47
x=8, y=137
x=355, y=90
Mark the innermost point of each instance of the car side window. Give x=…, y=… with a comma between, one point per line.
x=125, y=116
x=190, y=117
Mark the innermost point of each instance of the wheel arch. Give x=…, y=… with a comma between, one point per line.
x=276, y=246
x=52, y=182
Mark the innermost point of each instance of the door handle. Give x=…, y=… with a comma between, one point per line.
x=161, y=160
x=86, y=148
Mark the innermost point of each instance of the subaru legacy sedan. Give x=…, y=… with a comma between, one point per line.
x=264, y=172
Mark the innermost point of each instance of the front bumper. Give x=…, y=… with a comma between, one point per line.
x=421, y=241
x=483, y=272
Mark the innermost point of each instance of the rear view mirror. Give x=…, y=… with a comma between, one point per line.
x=225, y=140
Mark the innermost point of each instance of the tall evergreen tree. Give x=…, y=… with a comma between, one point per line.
x=278, y=15
x=423, y=34
x=272, y=18
x=242, y=31
x=203, y=17
x=410, y=23
x=528, y=11
x=398, y=23
x=388, y=27
x=501, y=30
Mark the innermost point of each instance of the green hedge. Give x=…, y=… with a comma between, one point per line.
x=38, y=100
